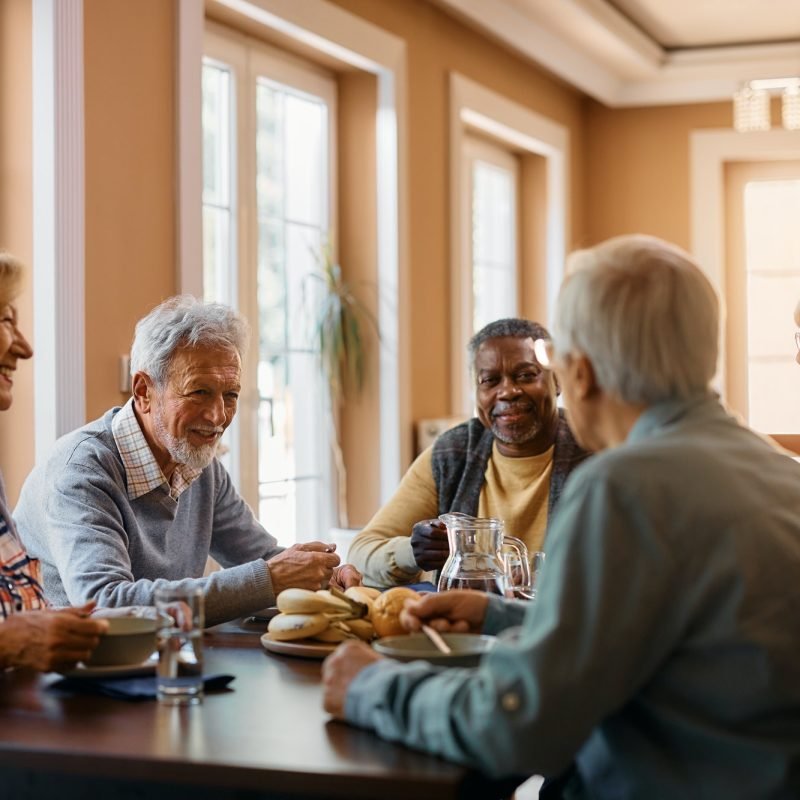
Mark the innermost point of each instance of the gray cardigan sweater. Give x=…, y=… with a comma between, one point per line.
x=74, y=515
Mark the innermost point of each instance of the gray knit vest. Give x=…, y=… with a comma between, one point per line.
x=461, y=454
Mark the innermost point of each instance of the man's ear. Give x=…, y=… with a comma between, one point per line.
x=584, y=377
x=142, y=390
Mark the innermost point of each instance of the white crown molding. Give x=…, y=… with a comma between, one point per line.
x=539, y=44
x=611, y=60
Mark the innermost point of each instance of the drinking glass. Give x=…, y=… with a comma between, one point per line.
x=537, y=565
x=179, y=675
x=521, y=583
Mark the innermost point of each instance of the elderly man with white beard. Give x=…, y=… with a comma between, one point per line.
x=136, y=500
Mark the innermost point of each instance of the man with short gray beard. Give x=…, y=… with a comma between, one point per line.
x=509, y=462
x=136, y=500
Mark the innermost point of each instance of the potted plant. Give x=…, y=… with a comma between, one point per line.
x=339, y=324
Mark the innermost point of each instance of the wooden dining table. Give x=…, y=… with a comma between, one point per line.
x=265, y=736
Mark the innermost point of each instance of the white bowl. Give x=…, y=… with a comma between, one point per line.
x=128, y=640
x=467, y=648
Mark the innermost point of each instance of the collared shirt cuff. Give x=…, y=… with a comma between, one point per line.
x=502, y=614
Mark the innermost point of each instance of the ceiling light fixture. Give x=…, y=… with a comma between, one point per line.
x=751, y=104
x=790, y=111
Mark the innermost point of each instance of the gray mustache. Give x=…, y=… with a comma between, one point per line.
x=504, y=408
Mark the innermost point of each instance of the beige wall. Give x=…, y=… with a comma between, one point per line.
x=129, y=53
x=358, y=249
x=16, y=221
x=629, y=170
x=637, y=168
x=438, y=44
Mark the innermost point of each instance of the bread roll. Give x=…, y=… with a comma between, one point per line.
x=288, y=627
x=304, y=601
x=359, y=592
x=386, y=610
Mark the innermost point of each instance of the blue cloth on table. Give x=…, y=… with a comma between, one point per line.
x=142, y=688
x=425, y=586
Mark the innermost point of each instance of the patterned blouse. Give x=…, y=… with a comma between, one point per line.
x=20, y=575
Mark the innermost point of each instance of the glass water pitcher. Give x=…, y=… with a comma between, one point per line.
x=479, y=556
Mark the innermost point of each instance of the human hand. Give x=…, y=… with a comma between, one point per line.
x=304, y=566
x=338, y=671
x=456, y=610
x=49, y=639
x=346, y=576
x=429, y=544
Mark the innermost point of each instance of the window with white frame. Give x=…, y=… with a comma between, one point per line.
x=762, y=287
x=491, y=179
x=773, y=282
x=269, y=179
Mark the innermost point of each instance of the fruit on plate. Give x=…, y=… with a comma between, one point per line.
x=289, y=627
x=324, y=616
x=365, y=595
x=386, y=610
x=304, y=601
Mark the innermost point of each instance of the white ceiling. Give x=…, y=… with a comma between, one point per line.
x=646, y=52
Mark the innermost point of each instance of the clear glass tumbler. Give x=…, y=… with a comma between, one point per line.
x=179, y=675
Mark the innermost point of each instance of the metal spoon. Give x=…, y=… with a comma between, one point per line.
x=439, y=643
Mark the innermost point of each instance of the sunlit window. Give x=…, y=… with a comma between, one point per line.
x=269, y=120
x=772, y=209
x=494, y=257
x=218, y=248
x=292, y=179
x=488, y=275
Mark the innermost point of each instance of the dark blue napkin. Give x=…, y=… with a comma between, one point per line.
x=143, y=688
x=425, y=586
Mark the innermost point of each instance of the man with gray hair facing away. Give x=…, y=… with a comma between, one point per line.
x=509, y=462
x=136, y=500
x=662, y=652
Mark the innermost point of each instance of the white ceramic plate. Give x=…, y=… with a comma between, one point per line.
x=302, y=648
x=121, y=671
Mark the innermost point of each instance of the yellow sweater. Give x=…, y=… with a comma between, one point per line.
x=516, y=490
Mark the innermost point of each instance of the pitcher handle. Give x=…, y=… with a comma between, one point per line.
x=522, y=554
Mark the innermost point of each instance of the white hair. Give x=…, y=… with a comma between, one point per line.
x=644, y=314
x=11, y=270
x=183, y=321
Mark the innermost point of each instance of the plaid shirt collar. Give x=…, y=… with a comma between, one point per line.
x=141, y=468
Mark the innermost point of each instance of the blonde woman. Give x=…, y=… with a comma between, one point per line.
x=32, y=634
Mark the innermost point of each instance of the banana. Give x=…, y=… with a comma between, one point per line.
x=334, y=634
x=361, y=628
x=320, y=616
x=304, y=601
x=361, y=595
x=287, y=627
x=335, y=603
